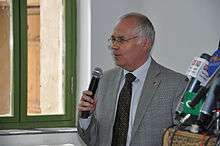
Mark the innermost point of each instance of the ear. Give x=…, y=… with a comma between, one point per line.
x=146, y=43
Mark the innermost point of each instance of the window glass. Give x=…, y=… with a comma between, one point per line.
x=6, y=59
x=46, y=57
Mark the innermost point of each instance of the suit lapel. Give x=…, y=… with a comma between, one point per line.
x=151, y=83
x=112, y=92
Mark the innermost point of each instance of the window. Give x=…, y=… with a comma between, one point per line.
x=5, y=60
x=37, y=63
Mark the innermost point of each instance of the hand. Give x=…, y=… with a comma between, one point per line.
x=86, y=103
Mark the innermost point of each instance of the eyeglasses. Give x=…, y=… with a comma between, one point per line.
x=119, y=40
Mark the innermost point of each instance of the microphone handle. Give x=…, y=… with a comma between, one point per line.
x=85, y=115
x=201, y=93
x=92, y=87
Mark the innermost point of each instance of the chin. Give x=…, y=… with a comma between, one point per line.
x=121, y=65
x=118, y=63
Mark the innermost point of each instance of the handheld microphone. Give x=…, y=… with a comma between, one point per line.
x=97, y=73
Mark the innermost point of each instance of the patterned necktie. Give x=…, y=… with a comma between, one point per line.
x=120, y=129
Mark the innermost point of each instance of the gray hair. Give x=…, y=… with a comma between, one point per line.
x=144, y=25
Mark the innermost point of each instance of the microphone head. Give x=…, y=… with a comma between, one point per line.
x=206, y=56
x=214, y=62
x=97, y=72
x=219, y=44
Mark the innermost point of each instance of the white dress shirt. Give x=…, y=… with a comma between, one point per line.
x=137, y=86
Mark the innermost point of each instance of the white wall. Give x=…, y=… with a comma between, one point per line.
x=184, y=29
x=83, y=46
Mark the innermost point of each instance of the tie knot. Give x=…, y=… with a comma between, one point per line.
x=129, y=77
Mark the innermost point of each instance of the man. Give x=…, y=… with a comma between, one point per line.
x=138, y=120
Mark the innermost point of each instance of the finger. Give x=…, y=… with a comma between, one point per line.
x=87, y=99
x=84, y=109
x=93, y=107
x=86, y=104
x=87, y=92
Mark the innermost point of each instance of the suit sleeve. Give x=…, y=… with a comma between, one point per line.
x=176, y=99
x=89, y=135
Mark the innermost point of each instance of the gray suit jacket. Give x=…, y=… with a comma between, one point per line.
x=155, y=111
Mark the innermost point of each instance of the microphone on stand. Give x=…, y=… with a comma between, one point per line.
x=199, y=100
x=198, y=76
x=97, y=73
x=213, y=72
x=214, y=61
x=210, y=104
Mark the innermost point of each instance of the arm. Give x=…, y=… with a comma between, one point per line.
x=87, y=128
x=88, y=135
x=177, y=98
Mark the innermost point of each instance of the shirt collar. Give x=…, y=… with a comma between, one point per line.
x=141, y=72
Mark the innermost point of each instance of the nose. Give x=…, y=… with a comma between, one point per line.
x=115, y=46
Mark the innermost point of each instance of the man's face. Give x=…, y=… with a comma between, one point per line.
x=132, y=52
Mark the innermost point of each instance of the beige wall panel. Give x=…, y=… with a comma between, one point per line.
x=33, y=62
x=32, y=2
x=51, y=57
x=4, y=2
x=4, y=62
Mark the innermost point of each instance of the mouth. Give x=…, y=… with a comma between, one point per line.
x=116, y=56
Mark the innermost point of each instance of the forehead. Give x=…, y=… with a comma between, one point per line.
x=125, y=27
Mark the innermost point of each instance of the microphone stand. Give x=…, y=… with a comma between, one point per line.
x=216, y=131
x=217, y=116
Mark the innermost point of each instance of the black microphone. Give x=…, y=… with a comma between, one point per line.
x=213, y=71
x=219, y=44
x=197, y=75
x=195, y=82
x=209, y=105
x=96, y=75
x=203, y=91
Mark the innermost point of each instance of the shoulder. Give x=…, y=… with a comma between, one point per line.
x=109, y=80
x=170, y=78
x=112, y=71
x=168, y=73
x=171, y=73
x=109, y=74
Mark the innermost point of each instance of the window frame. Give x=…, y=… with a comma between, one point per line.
x=20, y=119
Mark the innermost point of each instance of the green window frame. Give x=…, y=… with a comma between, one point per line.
x=20, y=118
